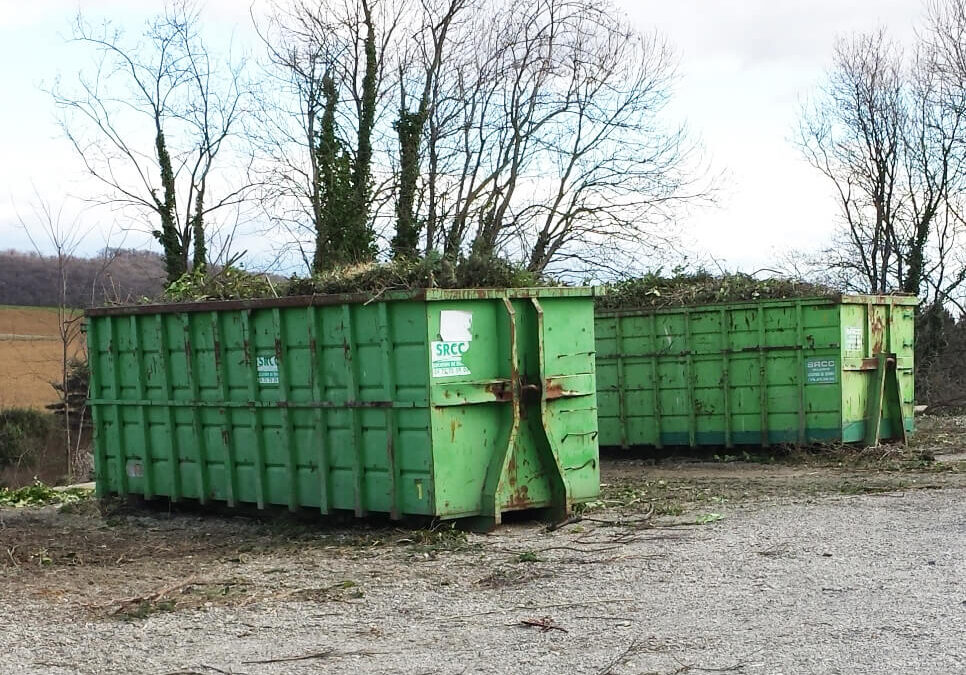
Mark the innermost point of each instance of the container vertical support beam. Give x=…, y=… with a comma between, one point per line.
x=762, y=377
x=201, y=437
x=100, y=441
x=352, y=382
x=114, y=355
x=621, y=392
x=885, y=397
x=164, y=353
x=726, y=374
x=656, y=385
x=493, y=483
x=876, y=396
x=800, y=369
x=392, y=427
x=140, y=378
x=221, y=373
x=288, y=437
x=261, y=479
x=318, y=396
x=554, y=462
x=690, y=383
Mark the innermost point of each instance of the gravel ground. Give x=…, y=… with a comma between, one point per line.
x=832, y=583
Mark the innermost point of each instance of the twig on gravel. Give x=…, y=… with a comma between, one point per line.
x=576, y=518
x=642, y=522
x=603, y=618
x=150, y=597
x=633, y=648
x=545, y=624
x=205, y=667
x=578, y=550
x=328, y=653
x=305, y=657
x=517, y=608
x=688, y=667
x=601, y=549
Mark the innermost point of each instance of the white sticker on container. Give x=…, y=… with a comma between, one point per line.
x=455, y=325
x=853, y=339
x=267, y=368
x=446, y=357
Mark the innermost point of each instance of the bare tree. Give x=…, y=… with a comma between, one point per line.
x=889, y=136
x=546, y=138
x=853, y=133
x=327, y=62
x=529, y=129
x=150, y=121
x=47, y=227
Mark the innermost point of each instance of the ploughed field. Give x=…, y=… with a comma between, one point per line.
x=838, y=561
x=31, y=356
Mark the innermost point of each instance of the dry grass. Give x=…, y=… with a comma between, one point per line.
x=30, y=356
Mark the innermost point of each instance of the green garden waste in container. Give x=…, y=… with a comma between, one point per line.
x=441, y=403
x=757, y=373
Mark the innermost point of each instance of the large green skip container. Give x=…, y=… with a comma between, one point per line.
x=444, y=403
x=757, y=373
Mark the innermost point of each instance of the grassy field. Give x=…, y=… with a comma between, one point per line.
x=30, y=356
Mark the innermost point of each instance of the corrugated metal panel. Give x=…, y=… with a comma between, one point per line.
x=759, y=373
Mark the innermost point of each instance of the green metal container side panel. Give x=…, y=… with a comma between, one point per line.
x=321, y=407
x=498, y=447
x=327, y=405
x=753, y=373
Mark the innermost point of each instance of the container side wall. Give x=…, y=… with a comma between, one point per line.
x=323, y=407
x=718, y=375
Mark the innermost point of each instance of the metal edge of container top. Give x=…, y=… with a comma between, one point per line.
x=839, y=299
x=426, y=294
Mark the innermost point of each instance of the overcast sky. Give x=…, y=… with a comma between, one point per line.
x=745, y=65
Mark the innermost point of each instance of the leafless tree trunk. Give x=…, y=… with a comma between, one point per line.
x=47, y=227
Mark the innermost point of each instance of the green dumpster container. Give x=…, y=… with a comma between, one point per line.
x=445, y=403
x=757, y=373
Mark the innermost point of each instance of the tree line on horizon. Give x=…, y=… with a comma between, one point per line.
x=111, y=276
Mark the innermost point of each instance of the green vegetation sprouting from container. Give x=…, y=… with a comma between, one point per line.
x=701, y=288
x=445, y=403
x=433, y=271
x=757, y=373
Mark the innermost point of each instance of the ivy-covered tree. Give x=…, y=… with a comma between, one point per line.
x=149, y=117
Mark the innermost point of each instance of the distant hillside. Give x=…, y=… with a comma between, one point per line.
x=120, y=275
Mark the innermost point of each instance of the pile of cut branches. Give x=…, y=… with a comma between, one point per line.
x=230, y=283
x=704, y=288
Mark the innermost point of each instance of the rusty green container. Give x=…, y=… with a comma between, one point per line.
x=444, y=403
x=757, y=373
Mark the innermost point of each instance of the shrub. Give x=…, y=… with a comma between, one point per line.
x=23, y=434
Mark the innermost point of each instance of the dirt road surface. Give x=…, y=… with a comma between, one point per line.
x=681, y=568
